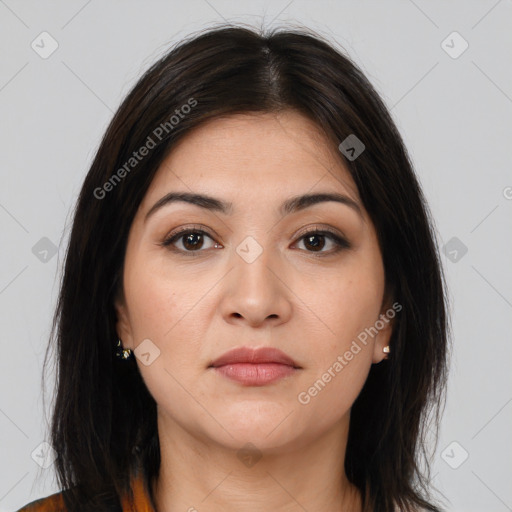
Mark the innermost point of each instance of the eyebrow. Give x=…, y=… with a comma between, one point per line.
x=292, y=205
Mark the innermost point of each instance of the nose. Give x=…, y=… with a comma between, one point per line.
x=256, y=293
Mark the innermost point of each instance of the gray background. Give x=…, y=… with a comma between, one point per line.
x=454, y=114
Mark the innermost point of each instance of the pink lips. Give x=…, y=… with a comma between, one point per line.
x=255, y=367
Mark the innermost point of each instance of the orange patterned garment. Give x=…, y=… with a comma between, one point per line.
x=55, y=502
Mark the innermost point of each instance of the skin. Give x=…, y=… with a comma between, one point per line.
x=195, y=307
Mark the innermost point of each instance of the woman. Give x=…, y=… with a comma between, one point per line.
x=252, y=314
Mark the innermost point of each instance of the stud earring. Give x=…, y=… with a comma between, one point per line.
x=386, y=349
x=122, y=353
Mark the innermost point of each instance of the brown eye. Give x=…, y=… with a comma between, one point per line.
x=316, y=241
x=191, y=240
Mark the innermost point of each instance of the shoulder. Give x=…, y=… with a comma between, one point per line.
x=52, y=503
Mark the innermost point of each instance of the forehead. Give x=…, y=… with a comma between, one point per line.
x=259, y=153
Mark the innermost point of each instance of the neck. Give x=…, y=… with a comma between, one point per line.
x=199, y=475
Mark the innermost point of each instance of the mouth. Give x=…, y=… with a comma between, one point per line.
x=255, y=367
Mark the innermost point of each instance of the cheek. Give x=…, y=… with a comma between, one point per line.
x=343, y=351
x=158, y=293
x=169, y=307
x=152, y=304
x=330, y=396
x=346, y=302
x=347, y=307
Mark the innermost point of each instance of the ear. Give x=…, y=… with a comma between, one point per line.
x=384, y=325
x=123, y=325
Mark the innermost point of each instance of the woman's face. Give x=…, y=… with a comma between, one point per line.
x=257, y=277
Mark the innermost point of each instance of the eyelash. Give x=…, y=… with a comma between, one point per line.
x=340, y=242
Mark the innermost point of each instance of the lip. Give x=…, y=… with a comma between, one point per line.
x=255, y=367
x=254, y=356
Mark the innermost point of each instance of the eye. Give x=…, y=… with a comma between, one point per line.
x=190, y=240
x=315, y=241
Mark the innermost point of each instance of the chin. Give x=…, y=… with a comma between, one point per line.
x=266, y=430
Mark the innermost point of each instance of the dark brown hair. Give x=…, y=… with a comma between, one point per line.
x=104, y=419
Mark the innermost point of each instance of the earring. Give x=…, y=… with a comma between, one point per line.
x=122, y=353
x=386, y=351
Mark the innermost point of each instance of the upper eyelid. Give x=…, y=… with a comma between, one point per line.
x=316, y=228
x=305, y=231
x=188, y=229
